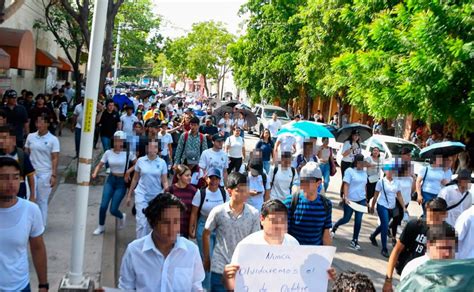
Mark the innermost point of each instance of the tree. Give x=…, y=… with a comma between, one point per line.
x=159, y=64
x=8, y=11
x=176, y=52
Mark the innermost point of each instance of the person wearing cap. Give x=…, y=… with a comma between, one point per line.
x=166, y=144
x=215, y=158
x=354, y=184
x=387, y=191
x=208, y=130
x=17, y=116
x=309, y=212
x=203, y=202
x=43, y=148
x=190, y=146
x=350, y=148
x=235, y=148
x=127, y=120
x=412, y=241
x=457, y=196
x=114, y=188
x=259, y=185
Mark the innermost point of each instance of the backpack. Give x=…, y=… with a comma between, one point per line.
x=203, y=197
x=275, y=170
x=21, y=160
x=294, y=202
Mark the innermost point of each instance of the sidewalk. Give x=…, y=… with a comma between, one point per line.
x=58, y=234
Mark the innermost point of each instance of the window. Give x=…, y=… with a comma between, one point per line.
x=63, y=75
x=268, y=113
x=41, y=72
x=20, y=73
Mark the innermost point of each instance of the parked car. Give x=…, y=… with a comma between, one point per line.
x=390, y=148
x=264, y=114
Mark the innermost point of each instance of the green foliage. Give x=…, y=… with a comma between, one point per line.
x=176, y=51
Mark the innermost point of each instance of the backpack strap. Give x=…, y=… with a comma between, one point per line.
x=223, y=193
x=325, y=203
x=424, y=177
x=264, y=179
x=203, y=197
x=21, y=160
x=275, y=170
x=127, y=157
x=293, y=171
x=458, y=203
x=294, y=202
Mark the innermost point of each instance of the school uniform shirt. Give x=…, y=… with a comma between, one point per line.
x=224, y=125
x=452, y=196
x=18, y=224
x=235, y=145
x=144, y=268
x=432, y=177
x=258, y=238
x=406, y=187
x=281, y=182
x=214, y=159
x=117, y=161
x=357, y=180
x=255, y=183
x=78, y=113
x=165, y=140
x=373, y=173
x=274, y=126
x=465, y=229
x=286, y=143
x=230, y=230
x=149, y=184
x=127, y=123
x=346, y=146
x=387, y=192
x=211, y=200
x=41, y=148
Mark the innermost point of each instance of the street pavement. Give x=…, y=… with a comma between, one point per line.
x=103, y=254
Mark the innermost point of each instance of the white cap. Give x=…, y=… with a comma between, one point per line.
x=121, y=135
x=311, y=170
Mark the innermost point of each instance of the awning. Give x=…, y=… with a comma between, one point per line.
x=45, y=59
x=65, y=64
x=20, y=46
x=4, y=60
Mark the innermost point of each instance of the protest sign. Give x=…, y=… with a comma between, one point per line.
x=268, y=268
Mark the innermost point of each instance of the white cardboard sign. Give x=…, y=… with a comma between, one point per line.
x=269, y=268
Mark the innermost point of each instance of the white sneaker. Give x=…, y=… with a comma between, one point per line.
x=332, y=234
x=107, y=170
x=122, y=221
x=354, y=245
x=99, y=230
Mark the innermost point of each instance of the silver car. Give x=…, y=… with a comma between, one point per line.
x=264, y=114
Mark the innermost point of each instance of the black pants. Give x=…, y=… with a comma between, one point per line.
x=234, y=164
x=370, y=191
x=396, y=221
x=344, y=166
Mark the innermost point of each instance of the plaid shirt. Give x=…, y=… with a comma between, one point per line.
x=193, y=146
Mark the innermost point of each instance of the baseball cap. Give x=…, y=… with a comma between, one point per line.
x=120, y=134
x=10, y=94
x=214, y=172
x=218, y=137
x=311, y=170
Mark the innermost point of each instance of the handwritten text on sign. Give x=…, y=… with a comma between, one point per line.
x=269, y=268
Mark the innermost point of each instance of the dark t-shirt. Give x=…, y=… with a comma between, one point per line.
x=27, y=170
x=210, y=130
x=414, y=239
x=267, y=149
x=16, y=118
x=108, y=123
x=186, y=195
x=38, y=111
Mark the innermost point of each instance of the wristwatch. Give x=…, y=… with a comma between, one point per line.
x=44, y=286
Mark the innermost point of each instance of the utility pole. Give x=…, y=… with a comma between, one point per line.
x=117, y=53
x=75, y=280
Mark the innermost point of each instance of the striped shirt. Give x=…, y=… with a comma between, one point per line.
x=309, y=220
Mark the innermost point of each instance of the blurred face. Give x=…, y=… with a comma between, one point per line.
x=464, y=185
x=194, y=127
x=110, y=106
x=214, y=182
x=266, y=134
x=168, y=228
x=435, y=217
x=42, y=125
x=6, y=141
x=164, y=128
x=275, y=225
x=442, y=249
x=237, y=132
x=308, y=149
x=9, y=181
x=274, y=116
x=3, y=121
x=226, y=115
x=241, y=116
x=239, y=194
x=286, y=160
x=355, y=137
x=389, y=174
x=40, y=102
x=325, y=141
x=218, y=144
x=375, y=152
x=118, y=144
x=438, y=161
x=185, y=177
x=406, y=157
x=310, y=185
x=152, y=148
x=138, y=129
x=448, y=162
x=208, y=123
x=360, y=165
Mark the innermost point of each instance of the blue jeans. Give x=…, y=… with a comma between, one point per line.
x=206, y=284
x=106, y=143
x=114, y=190
x=77, y=140
x=325, y=169
x=216, y=283
x=26, y=289
x=426, y=197
x=166, y=158
x=384, y=216
x=266, y=166
x=347, y=217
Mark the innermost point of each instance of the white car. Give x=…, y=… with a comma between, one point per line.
x=264, y=114
x=390, y=148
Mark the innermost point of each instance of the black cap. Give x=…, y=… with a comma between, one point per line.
x=10, y=94
x=218, y=137
x=194, y=120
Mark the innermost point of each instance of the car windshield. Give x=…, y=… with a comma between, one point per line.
x=280, y=114
x=396, y=149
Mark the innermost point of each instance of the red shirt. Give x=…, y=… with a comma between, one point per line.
x=186, y=195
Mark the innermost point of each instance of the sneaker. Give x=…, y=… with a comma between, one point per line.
x=107, y=170
x=373, y=240
x=99, y=230
x=122, y=221
x=385, y=253
x=332, y=234
x=354, y=245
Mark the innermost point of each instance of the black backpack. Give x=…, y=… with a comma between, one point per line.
x=203, y=197
x=275, y=170
x=294, y=202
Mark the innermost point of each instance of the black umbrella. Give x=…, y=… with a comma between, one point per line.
x=446, y=148
x=143, y=93
x=230, y=103
x=249, y=116
x=220, y=111
x=345, y=132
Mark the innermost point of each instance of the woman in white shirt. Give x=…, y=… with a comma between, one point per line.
x=350, y=148
x=374, y=167
x=149, y=180
x=225, y=125
x=241, y=123
x=114, y=187
x=354, y=183
x=430, y=180
x=235, y=148
x=387, y=191
x=324, y=153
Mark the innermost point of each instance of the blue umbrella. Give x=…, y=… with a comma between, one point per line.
x=311, y=129
x=446, y=148
x=199, y=113
x=291, y=131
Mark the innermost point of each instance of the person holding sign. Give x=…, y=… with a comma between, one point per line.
x=162, y=260
x=232, y=222
x=309, y=212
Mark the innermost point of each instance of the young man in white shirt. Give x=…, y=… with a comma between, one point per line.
x=215, y=158
x=162, y=260
x=283, y=178
x=20, y=223
x=465, y=229
x=77, y=125
x=457, y=196
x=273, y=126
x=127, y=120
x=166, y=144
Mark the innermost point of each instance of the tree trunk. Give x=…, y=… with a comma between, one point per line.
x=205, y=85
x=339, y=110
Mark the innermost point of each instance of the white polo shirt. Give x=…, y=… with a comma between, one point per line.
x=41, y=148
x=255, y=183
x=281, y=182
x=357, y=180
x=165, y=140
x=274, y=126
x=144, y=268
x=127, y=123
x=286, y=143
x=149, y=184
x=431, y=180
x=387, y=193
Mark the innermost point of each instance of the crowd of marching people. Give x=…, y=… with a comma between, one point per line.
x=198, y=193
